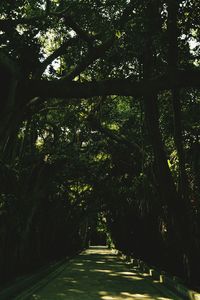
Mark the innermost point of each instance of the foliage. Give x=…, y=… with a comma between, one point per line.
x=99, y=117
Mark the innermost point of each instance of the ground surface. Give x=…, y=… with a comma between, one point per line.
x=99, y=274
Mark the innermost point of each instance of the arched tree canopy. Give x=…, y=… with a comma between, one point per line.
x=99, y=120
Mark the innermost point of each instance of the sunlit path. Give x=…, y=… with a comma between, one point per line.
x=98, y=274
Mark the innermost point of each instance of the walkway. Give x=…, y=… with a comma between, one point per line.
x=99, y=274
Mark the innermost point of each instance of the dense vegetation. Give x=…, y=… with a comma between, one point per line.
x=100, y=117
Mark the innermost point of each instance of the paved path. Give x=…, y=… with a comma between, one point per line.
x=99, y=274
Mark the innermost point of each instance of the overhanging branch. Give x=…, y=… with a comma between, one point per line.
x=122, y=87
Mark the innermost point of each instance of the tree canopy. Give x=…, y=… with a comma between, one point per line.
x=100, y=119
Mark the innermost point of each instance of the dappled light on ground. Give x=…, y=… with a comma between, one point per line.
x=99, y=274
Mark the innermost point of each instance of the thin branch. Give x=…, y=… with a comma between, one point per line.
x=48, y=7
x=92, y=55
x=6, y=24
x=57, y=53
x=112, y=135
x=79, y=31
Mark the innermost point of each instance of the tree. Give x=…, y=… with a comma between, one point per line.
x=86, y=58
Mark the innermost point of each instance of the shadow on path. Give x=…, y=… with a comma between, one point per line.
x=98, y=274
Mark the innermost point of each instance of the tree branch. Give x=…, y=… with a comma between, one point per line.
x=79, y=31
x=119, y=138
x=6, y=24
x=57, y=53
x=92, y=55
x=29, y=89
x=94, y=52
